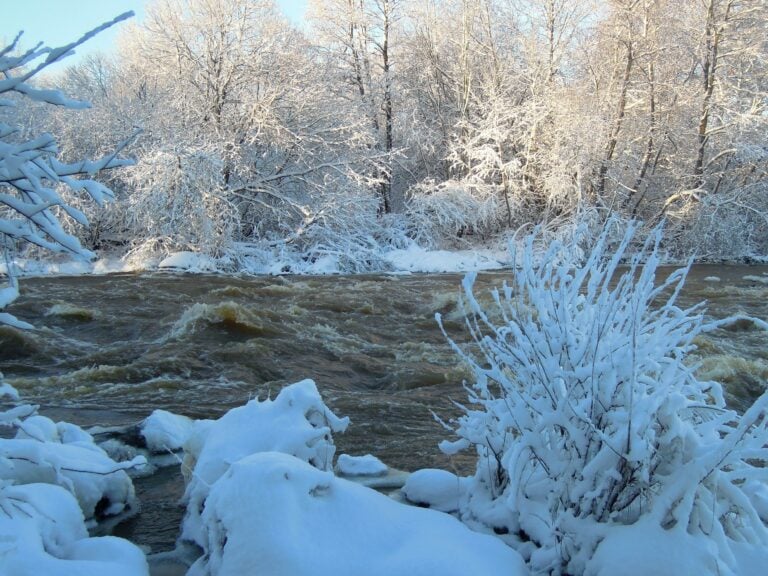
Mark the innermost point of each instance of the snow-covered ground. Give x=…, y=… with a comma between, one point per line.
x=414, y=259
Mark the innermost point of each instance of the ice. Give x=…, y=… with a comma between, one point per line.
x=272, y=514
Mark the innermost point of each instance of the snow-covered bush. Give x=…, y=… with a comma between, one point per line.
x=441, y=214
x=30, y=170
x=296, y=422
x=273, y=514
x=179, y=196
x=585, y=415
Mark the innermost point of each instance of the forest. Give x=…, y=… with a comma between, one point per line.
x=445, y=123
x=597, y=140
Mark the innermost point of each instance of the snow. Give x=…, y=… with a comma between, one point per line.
x=296, y=422
x=418, y=259
x=250, y=260
x=273, y=514
x=645, y=549
x=166, y=432
x=188, y=262
x=367, y=465
x=437, y=489
x=42, y=531
x=66, y=455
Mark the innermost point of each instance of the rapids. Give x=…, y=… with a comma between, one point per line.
x=107, y=350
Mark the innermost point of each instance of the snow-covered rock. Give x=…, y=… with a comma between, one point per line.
x=64, y=454
x=438, y=489
x=418, y=259
x=166, y=432
x=272, y=514
x=296, y=422
x=42, y=531
x=188, y=262
x=367, y=465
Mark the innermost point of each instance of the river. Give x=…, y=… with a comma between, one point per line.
x=108, y=350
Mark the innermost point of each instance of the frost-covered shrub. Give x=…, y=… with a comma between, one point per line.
x=585, y=414
x=179, y=198
x=441, y=214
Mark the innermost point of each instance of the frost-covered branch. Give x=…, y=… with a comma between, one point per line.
x=30, y=170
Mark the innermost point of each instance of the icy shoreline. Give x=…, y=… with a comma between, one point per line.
x=411, y=260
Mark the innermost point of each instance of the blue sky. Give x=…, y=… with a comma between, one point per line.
x=57, y=22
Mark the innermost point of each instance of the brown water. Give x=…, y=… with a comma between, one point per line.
x=109, y=350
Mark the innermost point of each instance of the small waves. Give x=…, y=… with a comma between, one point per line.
x=72, y=312
x=230, y=316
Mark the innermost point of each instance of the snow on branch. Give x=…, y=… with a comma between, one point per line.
x=30, y=171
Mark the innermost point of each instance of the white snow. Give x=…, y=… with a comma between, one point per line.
x=272, y=514
x=44, y=451
x=166, y=432
x=645, y=549
x=367, y=465
x=188, y=262
x=417, y=259
x=438, y=489
x=42, y=531
x=296, y=422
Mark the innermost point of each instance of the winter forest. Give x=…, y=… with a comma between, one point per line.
x=607, y=422
x=446, y=123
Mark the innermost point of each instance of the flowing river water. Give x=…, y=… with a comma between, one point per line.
x=108, y=350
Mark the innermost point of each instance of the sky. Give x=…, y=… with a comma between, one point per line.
x=58, y=22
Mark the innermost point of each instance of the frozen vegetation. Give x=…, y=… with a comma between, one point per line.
x=598, y=450
x=595, y=440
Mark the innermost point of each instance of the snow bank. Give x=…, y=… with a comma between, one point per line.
x=296, y=422
x=298, y=520
x=42, y=531
x=645, y=549
x=417, y=259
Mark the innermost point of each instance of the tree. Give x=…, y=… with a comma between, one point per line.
x=357, y=37
x=30, y=169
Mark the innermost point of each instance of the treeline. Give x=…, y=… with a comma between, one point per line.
x=441, y=121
